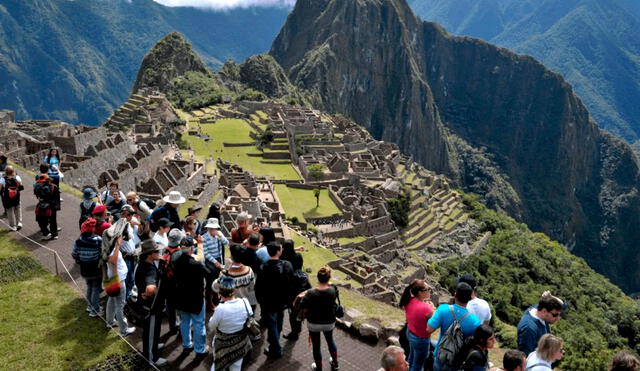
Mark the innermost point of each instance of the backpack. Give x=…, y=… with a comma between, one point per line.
x=300, y=281
x=150, y=203
x=166, y=267
x=86, y=213
x=42, y=191
x=11, y=185
x=452, y=342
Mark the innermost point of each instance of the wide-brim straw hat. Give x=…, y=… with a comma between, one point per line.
x=174, y=197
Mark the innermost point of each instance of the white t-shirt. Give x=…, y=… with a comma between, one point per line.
x=230, y=316
x=121, y=265
x=480, y=308
x=161, y=240
x=541, y=364
x=2, y=181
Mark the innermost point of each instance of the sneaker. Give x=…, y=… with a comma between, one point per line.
x=59, y=229
x=19, y=227
x=334, y=364
x=112, y=325
x=161, y=346
x=46, y=237
x=293, y=336
x=272, y=355
x=128, y=331
x=93, y=314
x=54, y=237
x=160, y=362
x=313, y=366
x=88, y=309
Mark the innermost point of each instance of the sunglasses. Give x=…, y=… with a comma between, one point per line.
x=555, y=315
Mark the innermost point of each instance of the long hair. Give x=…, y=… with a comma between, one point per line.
x=481, y=335
x=410, y=291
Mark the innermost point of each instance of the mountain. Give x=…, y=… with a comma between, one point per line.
x=77, y=60
x=499, y=124
x=593, y=44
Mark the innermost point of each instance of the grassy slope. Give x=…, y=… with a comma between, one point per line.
x=44, y=324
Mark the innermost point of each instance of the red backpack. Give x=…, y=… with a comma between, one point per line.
x=165, y=262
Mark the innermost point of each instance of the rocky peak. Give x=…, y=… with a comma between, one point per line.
x=261, y=72
x=170, y=57
x=497, y=123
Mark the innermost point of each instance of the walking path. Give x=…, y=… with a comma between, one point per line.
x=353, y=353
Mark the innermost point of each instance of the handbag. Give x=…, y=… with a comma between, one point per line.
x=112, y=286
x=337, y=307
x=251, y=324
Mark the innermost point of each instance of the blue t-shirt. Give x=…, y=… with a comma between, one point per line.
x=262, y=254
x=442, y=319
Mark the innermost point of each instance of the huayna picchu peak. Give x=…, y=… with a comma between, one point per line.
x=498, y=123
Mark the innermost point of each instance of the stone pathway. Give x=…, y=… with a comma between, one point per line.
x=353, y=354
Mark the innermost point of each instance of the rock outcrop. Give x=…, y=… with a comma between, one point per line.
x=170, y=57
x=497, y=123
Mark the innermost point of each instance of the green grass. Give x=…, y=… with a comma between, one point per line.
x=371, y=308
x=236, y=131
x=347, y=240
x=44, y=323
x=301, y=203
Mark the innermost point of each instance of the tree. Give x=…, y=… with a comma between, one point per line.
x=316, y=193
x=316, y=171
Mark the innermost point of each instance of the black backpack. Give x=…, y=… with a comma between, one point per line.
x=86, y=213
x=42, y=190
x=300, y=281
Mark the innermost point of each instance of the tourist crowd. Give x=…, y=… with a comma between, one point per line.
x=153, y=264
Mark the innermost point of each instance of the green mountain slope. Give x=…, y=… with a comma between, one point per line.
x=77, y=60
x=593, y=44
x=498, y=123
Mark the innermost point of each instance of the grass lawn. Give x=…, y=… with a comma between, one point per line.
x=348, y=240
x=44, y=324
x=237, y=131
x=301, y=203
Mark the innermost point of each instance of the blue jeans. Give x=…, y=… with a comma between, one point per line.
x=273, y=322
x=94, y=288
x=439, y=366
x=419, y=351
x=199, y=331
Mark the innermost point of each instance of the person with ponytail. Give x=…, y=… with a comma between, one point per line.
x=418, y=309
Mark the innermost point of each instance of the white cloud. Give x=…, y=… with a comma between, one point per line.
x=227, y=4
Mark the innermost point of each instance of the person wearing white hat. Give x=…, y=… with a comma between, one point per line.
x=213, y=246
x=169, y=210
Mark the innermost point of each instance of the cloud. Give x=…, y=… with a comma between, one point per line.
x=227, y=4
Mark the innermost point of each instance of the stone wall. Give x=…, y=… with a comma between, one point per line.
x=77, y=144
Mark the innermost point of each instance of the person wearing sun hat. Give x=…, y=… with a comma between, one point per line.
x=213, y=245
x=169, y=210
x=87, y=205
x=147, y=280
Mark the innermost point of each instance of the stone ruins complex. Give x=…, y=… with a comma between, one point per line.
x=135, y=148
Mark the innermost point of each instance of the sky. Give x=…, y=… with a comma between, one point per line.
x=226, y=4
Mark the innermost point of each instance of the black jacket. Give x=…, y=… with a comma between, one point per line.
x=168, y=212
x=189, y=275
x=274, y=285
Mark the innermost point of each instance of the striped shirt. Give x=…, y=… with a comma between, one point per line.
x=213, y=247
